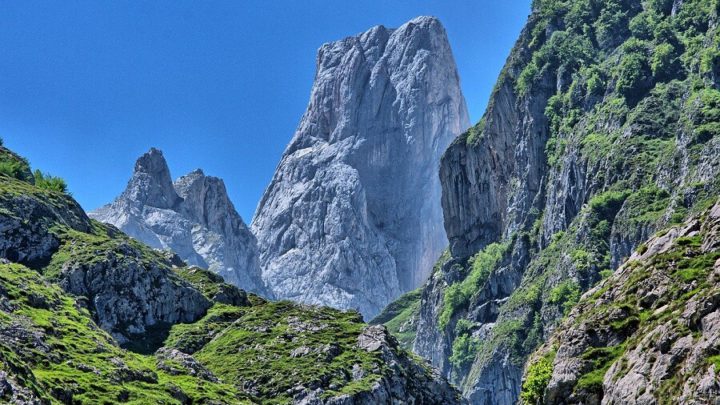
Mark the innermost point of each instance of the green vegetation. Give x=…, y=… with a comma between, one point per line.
x=465, y=346
x=537, y=378
x=48, y=182
x=566, y=294
x=399, y=317
x=628, y=318
x=634, y=75
x=600, y=358
x=14, y=166
x=65, y=354
x=481, y=266
x=278, y=345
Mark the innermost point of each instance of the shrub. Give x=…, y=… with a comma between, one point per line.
x=595, y=83
x=633, y=73
x=565, y=294
x=612, y=24
x=12, y=168
x=464, y=350
x=481, y=266
x=642, y=25
x=604, y=206
x=664, y=63
x=537, y=378
x=49, y=182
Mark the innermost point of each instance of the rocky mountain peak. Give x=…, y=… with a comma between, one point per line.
x=151, y=183
x=352, y=217
x=193, y=217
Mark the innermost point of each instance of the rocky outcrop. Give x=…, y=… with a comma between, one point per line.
x=423, y=387
x=648, y=333
x=352, y=217
x=129, y=296
x=192, y=217
x=28, y=215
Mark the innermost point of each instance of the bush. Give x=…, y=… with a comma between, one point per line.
x=537, y=378
x=665, y=64
x=565, y=294
x=464, y=350
x=48, y=182
x=612, y=25
x=13, y=168
x=643, y=25
x=634, y=76
x=604, y=206
x=595, y=83
x=481, y=266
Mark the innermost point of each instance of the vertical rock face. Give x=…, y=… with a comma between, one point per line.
x=352, y=217
x=193, y=217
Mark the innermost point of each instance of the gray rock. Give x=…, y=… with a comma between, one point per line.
x=352, y=217
x=404, y=381
x=175, y=362
x=192, y=217
x=128, y=296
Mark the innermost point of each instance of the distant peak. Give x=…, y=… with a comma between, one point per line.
x=151, y=183
x=151, y=162
x=425, y=19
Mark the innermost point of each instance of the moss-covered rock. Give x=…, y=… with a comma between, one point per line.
x=648, y=333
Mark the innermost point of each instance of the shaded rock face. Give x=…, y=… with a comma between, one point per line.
x=128, y=296
x=352, y=217
x=192, y=217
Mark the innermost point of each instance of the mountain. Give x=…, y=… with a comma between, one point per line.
x=603, y=128
x=90, y=315
x=352, y=216
x=649, y=333
x=192, y=217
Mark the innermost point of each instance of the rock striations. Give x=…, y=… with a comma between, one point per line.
x=352, y=217
x=192, y=217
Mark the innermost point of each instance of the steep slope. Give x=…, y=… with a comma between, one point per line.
x=648, y=334
x=603, y=128
x=89, y=315
x=352, y=217
x=193, y=217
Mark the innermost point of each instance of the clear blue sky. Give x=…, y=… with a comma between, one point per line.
x=88, y=86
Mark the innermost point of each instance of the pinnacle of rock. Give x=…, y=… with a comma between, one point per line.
x=352, y=217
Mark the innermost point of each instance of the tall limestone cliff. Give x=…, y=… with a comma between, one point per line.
x=603, y=128
x=352, y=217
x=193, y=217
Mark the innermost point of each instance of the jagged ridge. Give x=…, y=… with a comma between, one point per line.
x=192, y=217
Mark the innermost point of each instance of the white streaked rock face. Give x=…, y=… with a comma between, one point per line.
x=192, y=217
x=352, y=217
